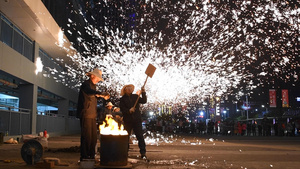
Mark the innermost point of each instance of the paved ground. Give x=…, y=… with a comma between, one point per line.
x=174, y=151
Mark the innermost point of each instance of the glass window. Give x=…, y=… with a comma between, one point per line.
x=28, y=49
x=15, y=38
x=18, y=42
x=6, y=33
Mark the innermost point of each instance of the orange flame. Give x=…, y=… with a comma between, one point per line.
x=111, y=127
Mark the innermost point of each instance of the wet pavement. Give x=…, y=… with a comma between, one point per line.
x=176, y=151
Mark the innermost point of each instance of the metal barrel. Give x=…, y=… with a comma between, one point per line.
x=113, y=150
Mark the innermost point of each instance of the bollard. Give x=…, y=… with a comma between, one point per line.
x=1, y=138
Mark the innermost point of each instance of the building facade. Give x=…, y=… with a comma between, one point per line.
x=31, y=99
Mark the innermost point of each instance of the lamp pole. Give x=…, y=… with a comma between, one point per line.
x=247, y=105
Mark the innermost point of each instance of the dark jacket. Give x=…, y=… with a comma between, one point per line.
x=127, y=102
x=87, y=100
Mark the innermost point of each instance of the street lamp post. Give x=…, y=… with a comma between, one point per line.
x=247, y=105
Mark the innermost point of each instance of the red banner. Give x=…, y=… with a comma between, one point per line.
x=285, y=98
x=272, y=97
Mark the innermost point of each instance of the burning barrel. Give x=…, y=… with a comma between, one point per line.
x=113, y=143
x=114, y=150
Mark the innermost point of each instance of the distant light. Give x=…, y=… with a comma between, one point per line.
x=201, y=113
x=298, y=99
x=151, y=113
x=246, y=106
x=224, y=111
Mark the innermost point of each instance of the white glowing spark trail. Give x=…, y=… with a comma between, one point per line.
x=198, y=49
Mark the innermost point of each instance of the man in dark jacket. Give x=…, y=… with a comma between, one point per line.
x=87, y=112
x=131, y=114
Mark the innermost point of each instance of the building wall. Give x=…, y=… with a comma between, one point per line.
x=14, y=64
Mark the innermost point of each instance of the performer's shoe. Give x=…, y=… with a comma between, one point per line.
x=144, y=157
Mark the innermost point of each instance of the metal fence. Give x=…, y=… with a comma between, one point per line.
x=17, y=121
x=14, y=121
x=57, y=123
x=50, y=122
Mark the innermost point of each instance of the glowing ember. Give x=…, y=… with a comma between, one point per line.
x=111, y=127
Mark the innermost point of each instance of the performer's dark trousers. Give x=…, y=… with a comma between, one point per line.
x=137, y=129
x=88, y=138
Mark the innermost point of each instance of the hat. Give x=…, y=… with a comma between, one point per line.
x=123, y=89
x=116, y=109
x=96, y=72
x=109, y=104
